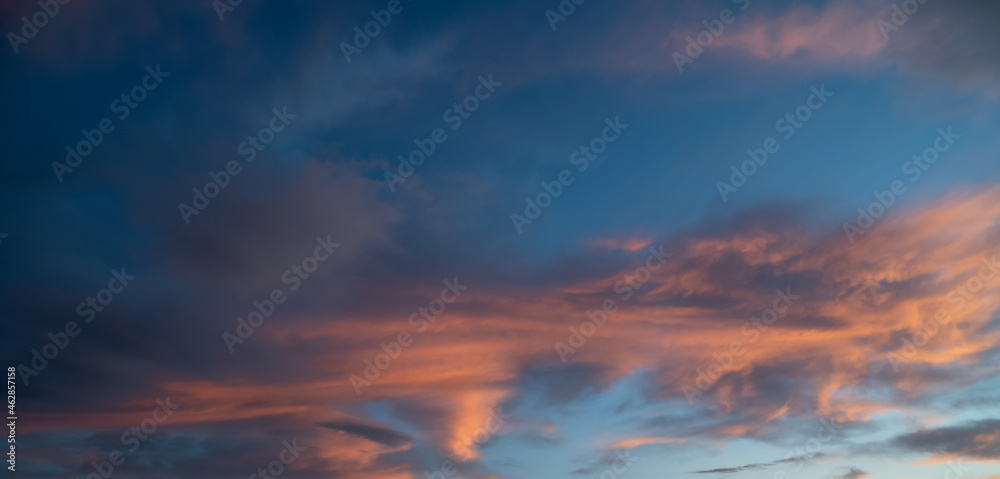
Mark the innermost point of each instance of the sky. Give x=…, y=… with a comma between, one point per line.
x=719, y=239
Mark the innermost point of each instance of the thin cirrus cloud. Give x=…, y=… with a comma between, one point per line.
x=760, y=466
x=836, y=32
x=845, y=35
x=841, y=33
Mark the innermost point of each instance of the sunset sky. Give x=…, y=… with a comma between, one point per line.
x=723, y=239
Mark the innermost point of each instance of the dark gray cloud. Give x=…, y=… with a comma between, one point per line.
x=854, y=473
x=977, y=439
x=760, y=466
x=560, y=385
x=957, y=38
x=381, y=435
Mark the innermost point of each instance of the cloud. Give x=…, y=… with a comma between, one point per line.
x=854, y=473
x=634, y=442
x=833, y=351
x=760, y=466
x=838, y=31
x=731, y=470
x=246, y=237
x=381, y=435
x=494, y=346
x=841, y=34
x=977, y=440
x=955, y=39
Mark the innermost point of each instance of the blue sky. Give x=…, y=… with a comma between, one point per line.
x=891, y=335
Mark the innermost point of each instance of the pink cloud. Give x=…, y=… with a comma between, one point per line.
x=842, y=31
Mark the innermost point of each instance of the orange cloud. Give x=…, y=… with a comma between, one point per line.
x=825, y=355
